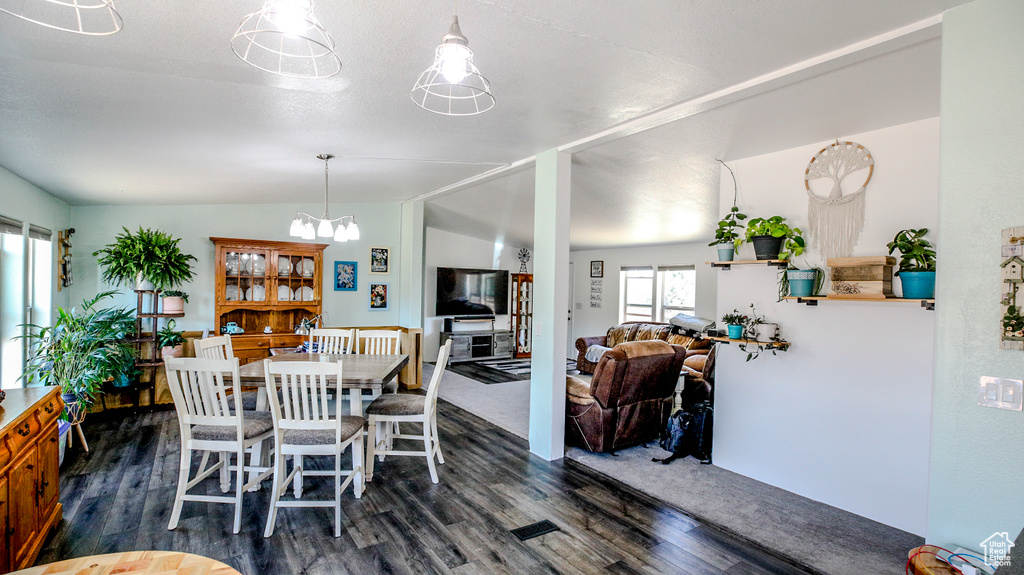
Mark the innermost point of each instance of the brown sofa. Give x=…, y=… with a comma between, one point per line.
x=636, y=331
x=628, y=399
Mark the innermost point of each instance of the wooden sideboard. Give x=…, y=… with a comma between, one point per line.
x=29, y=473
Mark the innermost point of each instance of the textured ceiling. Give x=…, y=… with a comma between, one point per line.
x=163, y=112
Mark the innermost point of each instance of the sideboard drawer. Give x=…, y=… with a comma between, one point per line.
x=5, y=452
x=49, y=411
x=250, y=343
x=287, y=340
x=24, y=433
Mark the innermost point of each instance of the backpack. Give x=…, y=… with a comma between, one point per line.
x=689, y=433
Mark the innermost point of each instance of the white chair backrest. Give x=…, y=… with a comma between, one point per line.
x=304, y=393
x=199, y=387
x=435, y=379
x=215, y=347
x=331, y=340
x=379, y=342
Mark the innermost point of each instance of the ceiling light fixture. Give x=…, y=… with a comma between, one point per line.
x=306, y=230
x=88, y=17
x=284, y=37
x=453, y=86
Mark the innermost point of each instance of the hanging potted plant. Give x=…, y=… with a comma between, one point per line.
x=173, y=301
x=761, y=335
x=735, y=323
x=170, y=341
x=727, y=235
x=917, y=263
x=147, y=260
x=773, y=239
x=84, y=348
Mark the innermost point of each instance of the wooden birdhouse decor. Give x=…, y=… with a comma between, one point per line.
x=1012, y=257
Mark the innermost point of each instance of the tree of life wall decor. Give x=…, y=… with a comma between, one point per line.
x=834, y=222
x=1012, y=265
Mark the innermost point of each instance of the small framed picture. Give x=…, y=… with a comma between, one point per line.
x=345, y=276
x=378, y=296
x=380, y=260
x=597, y=269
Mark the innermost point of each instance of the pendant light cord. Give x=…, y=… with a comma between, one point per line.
x=327, y=188
x=735, y=189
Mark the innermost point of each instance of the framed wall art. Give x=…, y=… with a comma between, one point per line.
x=380, y=260
x=597, y=269
x=378, y=296
x=345, y=276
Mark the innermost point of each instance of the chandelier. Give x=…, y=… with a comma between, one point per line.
x=302, y=226
x=89, y=17
x=284, y=37
x=453, y=86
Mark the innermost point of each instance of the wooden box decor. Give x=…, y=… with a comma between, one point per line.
x=862, y=278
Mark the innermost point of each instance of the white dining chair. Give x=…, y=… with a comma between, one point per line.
x=331, y=340
x=208, y=423
x=379, y=342
x=303, y=425
x=220, y=348
x=392, y=408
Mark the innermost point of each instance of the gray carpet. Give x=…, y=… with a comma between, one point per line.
x=811, y=534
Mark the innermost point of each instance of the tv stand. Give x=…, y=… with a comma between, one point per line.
x=479, y=345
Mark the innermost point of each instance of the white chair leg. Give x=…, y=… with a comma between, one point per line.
x=297, y=482
x=275, y=496
x=371, y=447
x=358, y=479
x=255, y=460
x=428, y=448
x=183, y=472
x=239, y=483
x=337, y=495
x=437, y=441
x=225, y=472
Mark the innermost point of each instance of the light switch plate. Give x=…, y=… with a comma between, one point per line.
x=1001, y=393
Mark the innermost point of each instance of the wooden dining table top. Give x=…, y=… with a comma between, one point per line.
x=134, y=563
x=356, y=369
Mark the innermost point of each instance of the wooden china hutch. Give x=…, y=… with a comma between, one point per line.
x=262, y=284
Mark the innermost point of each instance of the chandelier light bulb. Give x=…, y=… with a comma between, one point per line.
x=290, y=18
x=454, y=59
x=296, y=230
x=353, y=231
x=341, y=235
x=308, y=233
x=324, y=230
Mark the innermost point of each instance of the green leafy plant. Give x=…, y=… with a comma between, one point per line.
x=726, y=233
x=916, y=253
x=175, y=293
x=83, y=348
x=153, y=254
x=735, y=318
x=819, y=280
x=169, y=337
x=754, y=348
x=776, y=227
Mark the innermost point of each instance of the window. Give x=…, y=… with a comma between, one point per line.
x=26, y=258
x=657, y=294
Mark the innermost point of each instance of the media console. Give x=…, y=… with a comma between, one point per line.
x=478, y=345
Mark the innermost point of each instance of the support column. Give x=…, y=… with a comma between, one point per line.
x=550, y=304
x=410, y=278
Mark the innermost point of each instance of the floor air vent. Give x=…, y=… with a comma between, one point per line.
x=534, y=530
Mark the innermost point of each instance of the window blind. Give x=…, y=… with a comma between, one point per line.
x=10, y=226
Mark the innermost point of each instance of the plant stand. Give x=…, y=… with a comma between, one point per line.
x=147, y=324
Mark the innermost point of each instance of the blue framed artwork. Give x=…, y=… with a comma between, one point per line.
x=378, y=296
x=345, y=276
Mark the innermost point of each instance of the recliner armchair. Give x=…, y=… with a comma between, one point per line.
x=629, y=398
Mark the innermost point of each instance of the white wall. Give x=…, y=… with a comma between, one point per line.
x=25, y=202
x=588, y=321
x=379, y=225
x=843, y=417
x=449, y=250
x=977, y=455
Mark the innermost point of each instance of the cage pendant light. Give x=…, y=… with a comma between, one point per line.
x=453, y=86
x=284, y=37
x=302, y=226
x=88, y=17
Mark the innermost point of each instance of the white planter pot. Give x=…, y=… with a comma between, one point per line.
x=173, y=304
x=766, y=331
x=142, y=284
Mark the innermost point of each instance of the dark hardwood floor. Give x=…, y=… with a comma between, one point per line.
x=119, y=499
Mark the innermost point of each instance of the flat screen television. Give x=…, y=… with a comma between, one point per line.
x=472, y=292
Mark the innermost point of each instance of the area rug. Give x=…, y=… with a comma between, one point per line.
x=500, y=370
x=519, y=367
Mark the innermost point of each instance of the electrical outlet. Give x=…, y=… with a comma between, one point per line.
x=1001, y=393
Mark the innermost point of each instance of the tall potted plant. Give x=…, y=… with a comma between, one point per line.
x=917, y=263
x=83, y=348
x=148, y=259
x=773, y=238
x=727, y=236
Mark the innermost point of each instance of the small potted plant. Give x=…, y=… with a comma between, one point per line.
x=173, y=301
x=917, y=263
x=727, y=236
x=170, y=341
x=773, y=239
x=735, y=323
x=149, y=259
x=796, y=282
x=761, y=335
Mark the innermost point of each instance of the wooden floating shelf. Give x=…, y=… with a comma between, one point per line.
x=767, y=344
x=928, y=304
x=770, y=263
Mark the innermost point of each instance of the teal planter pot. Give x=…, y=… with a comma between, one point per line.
x=735, y=331
x=726, y=254
x=918, y=285
x=801, y=282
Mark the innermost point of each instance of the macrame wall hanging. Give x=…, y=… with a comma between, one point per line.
x=835, y=222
